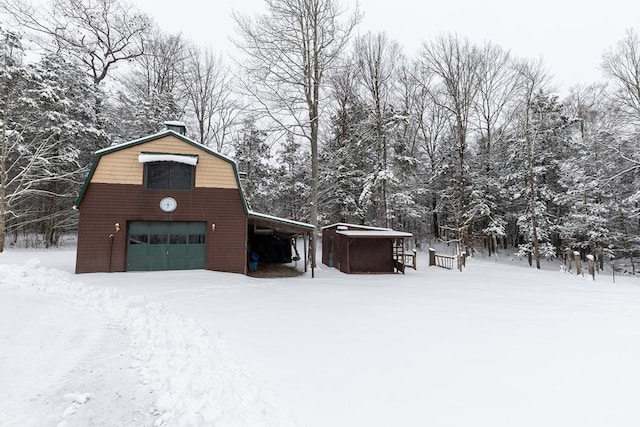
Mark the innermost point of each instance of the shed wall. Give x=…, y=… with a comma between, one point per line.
x=370, y=255
x=328, y=239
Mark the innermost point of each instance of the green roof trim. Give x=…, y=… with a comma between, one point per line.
x=274, y=219
x=108, y=150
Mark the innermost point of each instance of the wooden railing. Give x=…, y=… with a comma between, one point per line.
x=411, y=260
x=444, y=261
x=401, y=259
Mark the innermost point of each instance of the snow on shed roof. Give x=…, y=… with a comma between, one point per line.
x=339, y=226
x=371, y=234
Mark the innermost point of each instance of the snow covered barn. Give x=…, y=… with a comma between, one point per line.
x=166, y=202
x=361, y=249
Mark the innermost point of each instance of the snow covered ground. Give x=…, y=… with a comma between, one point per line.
x=500, y=344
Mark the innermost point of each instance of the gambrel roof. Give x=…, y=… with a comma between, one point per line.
x=141, y=141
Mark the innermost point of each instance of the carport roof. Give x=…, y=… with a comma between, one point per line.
x=282, y=225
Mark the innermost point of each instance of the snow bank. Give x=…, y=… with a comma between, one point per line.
x=195, y=382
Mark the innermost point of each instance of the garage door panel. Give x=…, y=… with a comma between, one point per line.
x=163, y=245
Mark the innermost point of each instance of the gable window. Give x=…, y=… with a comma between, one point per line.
x=168, y=176
x=164, y=171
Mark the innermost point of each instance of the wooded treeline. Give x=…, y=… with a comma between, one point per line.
x=461, y=142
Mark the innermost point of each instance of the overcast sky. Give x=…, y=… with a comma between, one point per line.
x=570, y=35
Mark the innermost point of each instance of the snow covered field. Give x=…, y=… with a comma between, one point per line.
x=499, y=344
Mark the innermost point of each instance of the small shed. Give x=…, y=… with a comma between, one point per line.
x=355, y=248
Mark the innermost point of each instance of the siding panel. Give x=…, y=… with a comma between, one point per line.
x=122, y=167
x=104, y=205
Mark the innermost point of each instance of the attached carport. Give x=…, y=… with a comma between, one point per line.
x=273, y=240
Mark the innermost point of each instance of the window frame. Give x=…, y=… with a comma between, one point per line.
x=168, y=188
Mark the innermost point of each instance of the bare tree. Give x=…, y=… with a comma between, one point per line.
x=622, y=64
x=288, y=52
x=533, y=78
x=378, y=60
x=160, y=68
x=100, y=33
x=497, y=86
x=454, y=63
x=151, y=92
x=209, y=97
x=432, y=125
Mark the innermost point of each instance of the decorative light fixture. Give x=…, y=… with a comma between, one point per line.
x=213, y=228
x=117, y=227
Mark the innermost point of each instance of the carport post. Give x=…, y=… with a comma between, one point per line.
x=304, y=239
x=312, y=242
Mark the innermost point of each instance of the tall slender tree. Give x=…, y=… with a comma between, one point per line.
x=288, y=53
x=454, y=62
x=378, y=59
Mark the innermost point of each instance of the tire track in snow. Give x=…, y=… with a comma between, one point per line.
x=189, y=376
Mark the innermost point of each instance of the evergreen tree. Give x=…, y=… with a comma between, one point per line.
x=541, y=144
x=292, y=181
x=346, y=158
x=50, y=133
x=252, y=154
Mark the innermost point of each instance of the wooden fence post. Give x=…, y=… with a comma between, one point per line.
x=592, y=266
x=432, y=257
x=576, y=255
x=567, y=260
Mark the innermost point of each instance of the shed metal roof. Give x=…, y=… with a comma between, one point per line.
x=356, y=226
x=371, y=234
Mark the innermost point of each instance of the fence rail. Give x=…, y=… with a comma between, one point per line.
x=410, y=260
x=444, y=261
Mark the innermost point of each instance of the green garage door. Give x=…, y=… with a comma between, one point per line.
x=160, y=245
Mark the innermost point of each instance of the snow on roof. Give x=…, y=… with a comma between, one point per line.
x=281, y=220
x=340, y=225
x=178, y=158
x=158, y=136
x=375, y=233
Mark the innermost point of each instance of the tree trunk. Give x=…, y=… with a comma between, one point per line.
x=313, y=116
x=3, y=172
x=532, y=197
x=578, y=259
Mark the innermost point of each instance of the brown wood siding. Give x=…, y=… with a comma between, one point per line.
x=370, y=255
x=105, y=204
x=341, y=256
x=122, y=166
x=327, y=234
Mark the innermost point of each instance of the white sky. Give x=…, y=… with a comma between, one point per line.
x=570, y=35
